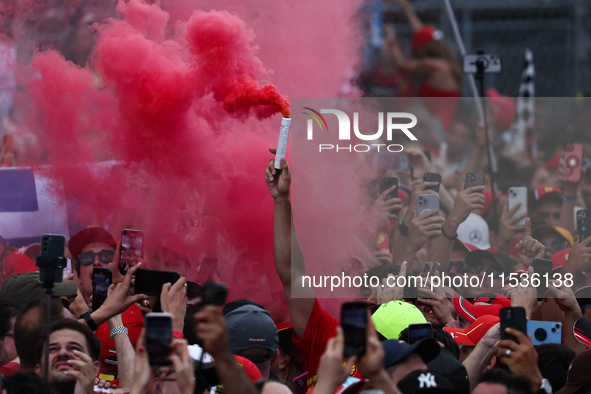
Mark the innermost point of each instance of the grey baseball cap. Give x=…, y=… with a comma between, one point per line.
x=24, y=288
x=252, y=327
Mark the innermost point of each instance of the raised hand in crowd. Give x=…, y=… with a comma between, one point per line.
x=528, y=248
x=508, y=226
x=579, y=258
x=173, y=300
x=567, y=302
x=387, y=293
x=279, y=188
x=382, y=208
x=436, y=300
x=522, y=292
x=521, y=358
x=211, y=330
x=332, y=372
x=483, y=355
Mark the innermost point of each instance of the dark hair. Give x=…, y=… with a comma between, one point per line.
x=31, y=326
x=439, y=335
x=93, y=343
x=194, y=290
x=554, y=361
x=25, y=383
x=440, y=49
x=8, y=311
x=514, y=385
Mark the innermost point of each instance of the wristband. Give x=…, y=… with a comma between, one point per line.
x=118, y=330
x=447, y=236
x=569, y=199
x=177, y=334
x=86, y=316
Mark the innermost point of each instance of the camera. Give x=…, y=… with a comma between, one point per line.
x=544, y=332
x=471, y=177
x=491, y=63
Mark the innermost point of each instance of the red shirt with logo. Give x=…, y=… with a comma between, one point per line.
x=320, y=328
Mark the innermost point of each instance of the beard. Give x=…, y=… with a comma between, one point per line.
x=62, y=383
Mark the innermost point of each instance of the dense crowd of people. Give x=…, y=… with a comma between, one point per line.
x=490, y=249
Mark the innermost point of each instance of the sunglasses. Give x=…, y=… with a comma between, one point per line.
x=556, y=246
x=105, y=256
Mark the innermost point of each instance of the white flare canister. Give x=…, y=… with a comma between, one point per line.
x=282, y=142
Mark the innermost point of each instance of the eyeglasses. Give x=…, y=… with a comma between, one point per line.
x=556, y=245
x=105, y=256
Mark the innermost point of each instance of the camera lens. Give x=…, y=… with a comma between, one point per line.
x=540, y=334
x=509, y=314
x=553, y=329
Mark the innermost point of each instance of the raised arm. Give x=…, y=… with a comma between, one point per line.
x=413, y=20
x=289, y=258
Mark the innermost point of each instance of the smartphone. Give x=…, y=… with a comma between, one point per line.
x=584, y=224
x=51, y=261
x=158, y=338
x=354, y=324
x=411, y=167
x=132, y=249
x=387, y=183
x=432, y=177
x=150, y=282
x=206, y=270
x=573, y=159
x=390, y=161
x=429, y=269
x=541, y=267
x=473, y=179
x=214, y=294
x=101, y=280
x=300, y=383
x=518, y=195
x=513, y=317
x=544, y=332
x=427, y=202
x=418, y=331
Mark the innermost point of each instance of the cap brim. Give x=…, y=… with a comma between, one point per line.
x=427, y=348
x=459, y=336
x=582, y=331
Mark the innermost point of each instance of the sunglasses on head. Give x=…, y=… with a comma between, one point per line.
x=105, y=256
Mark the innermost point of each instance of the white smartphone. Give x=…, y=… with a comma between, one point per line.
x=518, y=195
x=427, y=202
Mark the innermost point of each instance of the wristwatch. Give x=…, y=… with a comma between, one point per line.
x=86, y=316
x=403, y=228
x=546, y=387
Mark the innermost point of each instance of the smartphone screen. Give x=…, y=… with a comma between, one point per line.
x=132, y=249
x=158, y=338
x=354, y=323
x=418, y=331
x=206, y=270
x=584, y=224
x=150, y=282
x=514, y=318
x=101, y=280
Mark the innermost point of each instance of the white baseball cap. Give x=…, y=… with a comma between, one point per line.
x=474, y=231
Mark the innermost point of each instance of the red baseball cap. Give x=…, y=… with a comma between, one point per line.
x=472, y=334
x=17, y=263
x=249, y=368
x=559, y=258
x=425, y=35
x=503, y=108
x=87, y=236
x=494, y=303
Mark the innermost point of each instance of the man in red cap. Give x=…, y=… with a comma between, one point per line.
x=546, y=203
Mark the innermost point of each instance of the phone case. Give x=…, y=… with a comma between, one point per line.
x=427, y=202
x=386, y=183
x=573, y=158
x=432, y=177
x=518, y=195
x=544, y=332
x=390, y=161
x=474, y=180
x=514, y=318
x=99, y=297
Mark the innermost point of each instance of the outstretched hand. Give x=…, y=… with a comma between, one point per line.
x=528, y=248
x=278, y=184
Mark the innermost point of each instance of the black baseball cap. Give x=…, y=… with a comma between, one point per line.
x=397, y=350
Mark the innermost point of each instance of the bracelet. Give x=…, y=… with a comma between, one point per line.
x=177, y=334
x=447, y=236
x=569, y=199
x=86, y=316
x=118, y=330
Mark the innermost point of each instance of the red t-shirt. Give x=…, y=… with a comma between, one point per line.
x=9, y=369
x=320, y=328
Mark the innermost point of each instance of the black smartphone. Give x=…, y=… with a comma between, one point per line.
x=206, y=270
x=473, y=179
x=541, y=267
x=158, y=338
x=150, y=282
x=432, y=177
x=132, y=249
x=51, y=261
x=412, y=171
x=584, y=224
x=354, y=324
x=418, y=331
x=387, y=183
x=214, y=294
x=101, y=280
x=514, y=318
